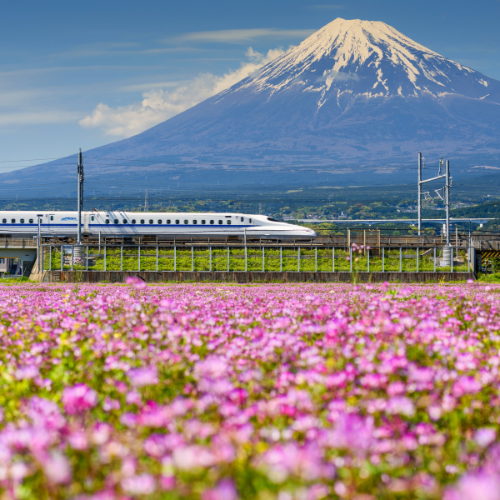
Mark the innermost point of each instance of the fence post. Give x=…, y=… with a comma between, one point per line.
x=72, y=257
x=315, y=259
x=451, y=259
x=400, y=259
x=263, y=260
x=350, y=258
x=333, y=259
x=418, y=267
x=121, y=258
x=246, y=256
x=87, y=258
x=367, y=260
x=105, y=246
x=192, y=258
x=434, y=259
x=157, y=257
x=50, y=258
x=383, y=259
x=228, y=258
x=210, y=258
x=138, y=257
x=298, y=261
x=281, y=259
x=175, y=258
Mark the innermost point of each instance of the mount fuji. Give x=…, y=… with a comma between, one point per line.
x=356, y=95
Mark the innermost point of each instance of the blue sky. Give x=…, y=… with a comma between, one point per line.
x=84, y=74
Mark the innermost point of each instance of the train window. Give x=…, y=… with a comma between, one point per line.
x=203, y=221
x=159, y=221
x=22, y=221
x=116, y=221
x=13, y=221
x=212, y=222
x=31, y=221
x=151, y=221
x=250, y=220
x=92, y=218
x=169, y=221
x=177, y=221
x=195, y=222
x=125, y=221
x=107, y=221
x=186, y=222
x=229, y=222
x=51, y=217
x=220, y=222
x=4, y=221
x=142, y=221
x=133, y=221
x=243, y=219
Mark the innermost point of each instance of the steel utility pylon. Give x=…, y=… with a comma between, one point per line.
x=447, y=187
x=80, y=195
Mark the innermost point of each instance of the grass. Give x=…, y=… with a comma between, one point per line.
x=255, y=260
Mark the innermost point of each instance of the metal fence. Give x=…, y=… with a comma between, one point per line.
x=252, y=258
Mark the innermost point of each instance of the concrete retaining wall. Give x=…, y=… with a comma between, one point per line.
x=249, y=277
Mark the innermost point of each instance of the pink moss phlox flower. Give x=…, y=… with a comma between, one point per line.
x=485, y=436
x=142, y=484
x=78, y=398
x=477, y=486
x=283, y=461
x=27, y=372
x=224, y=490
x=45, y=413
x=353, y=432
x=465, y=385
x=136, y=282
x=140, y=377
x=57, y=468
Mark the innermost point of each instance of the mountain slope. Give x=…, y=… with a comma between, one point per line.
x=355, y=90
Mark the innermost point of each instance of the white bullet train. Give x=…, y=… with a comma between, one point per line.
x=175, y=225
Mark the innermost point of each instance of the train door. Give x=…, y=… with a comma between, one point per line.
x=51, y=226
x=86, y=223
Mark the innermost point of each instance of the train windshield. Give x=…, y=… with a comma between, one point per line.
x=272, y=220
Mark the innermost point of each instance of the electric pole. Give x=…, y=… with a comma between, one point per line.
x=420, y=182
x=80, y=196
x=419, y=192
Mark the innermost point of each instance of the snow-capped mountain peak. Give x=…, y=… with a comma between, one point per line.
x=367, y=58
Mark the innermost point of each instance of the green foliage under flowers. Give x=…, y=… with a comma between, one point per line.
x=390, y=262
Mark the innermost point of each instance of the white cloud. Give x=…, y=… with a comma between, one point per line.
x=159, y=105
x=242, y=35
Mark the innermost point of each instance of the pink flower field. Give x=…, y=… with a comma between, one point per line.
x=219, y=392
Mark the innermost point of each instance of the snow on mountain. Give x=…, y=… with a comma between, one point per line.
x=367, y=58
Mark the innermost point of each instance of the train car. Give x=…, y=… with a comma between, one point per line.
x=128, y=224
